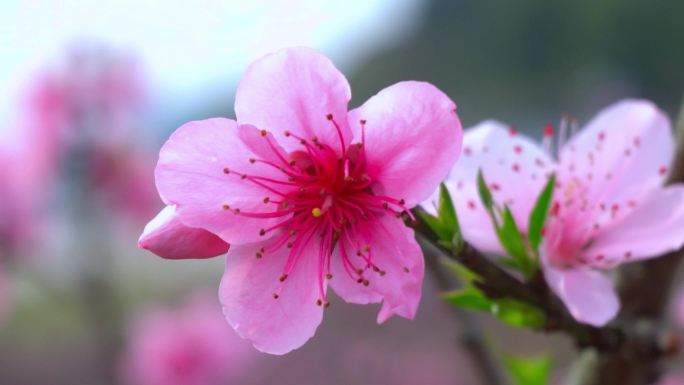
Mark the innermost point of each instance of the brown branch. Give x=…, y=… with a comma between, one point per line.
x=497, y=283
x=644, y=291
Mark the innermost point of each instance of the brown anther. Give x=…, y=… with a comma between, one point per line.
x=362, y=121
x=359, y=271
x=259, y=255
x=382, y=273
x=286, y=133
x=289, y=245
x=402, y=202
x=406, y=269
x=319, y=302
x=263, y=132
x=292, y=162
x=327, y=305
x=275, y=296
x=267, y=199
x=360, y=280
x=385, y=205
x=328, y=276
x=359, y=145
x=283, y=277
x=262, y=232
x=314, y=139
x=302, y=141
x=366, y=282
x=243, y=176
x=236, y=211
x=376, y=269
x=329, y=117
x=292, y=233
x=263, y=250
x=226, y=207
x=226, y=170
x=252, y=160
x=366, y=248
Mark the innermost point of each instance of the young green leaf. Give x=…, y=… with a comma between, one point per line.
x=469, y=298
x=540, y=212
x=463, y=273
x=512, y=241
x=447, y=211
x=529, y=370
x=434, y=224
x=485, y=195
x=518, y=314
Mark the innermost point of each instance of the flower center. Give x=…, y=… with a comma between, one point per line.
x=325, y=192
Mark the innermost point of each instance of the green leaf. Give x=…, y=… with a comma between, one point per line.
x=518, y=314
x=445, y=224
x=434, y=224
x=485, y=195
x=465, y=275
x=447, y=211
x=512, y=241
x=529, y=370
x=540, y=212
x=469, y=298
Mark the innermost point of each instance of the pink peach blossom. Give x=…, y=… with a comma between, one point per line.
x=610, y=206
x=191, y=345
x=310, y=195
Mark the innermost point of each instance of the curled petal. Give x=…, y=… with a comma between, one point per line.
x=294, y=90
x=247, y=290
x=412, y=139
x=397, y=275
x=167, y=237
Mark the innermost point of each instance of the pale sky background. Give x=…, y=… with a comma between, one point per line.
x=193, y=55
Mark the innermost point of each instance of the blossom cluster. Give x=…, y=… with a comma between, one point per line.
x=303, y=195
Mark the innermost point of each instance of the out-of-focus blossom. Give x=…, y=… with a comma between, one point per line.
x=309, y=194
x=24, y=187
x=672, y=379
x=609, y=206
x=191, y=345
x=87, y=111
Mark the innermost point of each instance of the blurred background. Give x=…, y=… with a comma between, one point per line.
x=89, y=92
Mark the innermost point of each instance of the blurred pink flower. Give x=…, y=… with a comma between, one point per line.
x=86, y=115
x=308, y=194
x=191, y=345
x=672, y=379
x=24, y=185
x=609, y=207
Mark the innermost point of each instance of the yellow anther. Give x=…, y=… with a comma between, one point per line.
x=316, y=212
